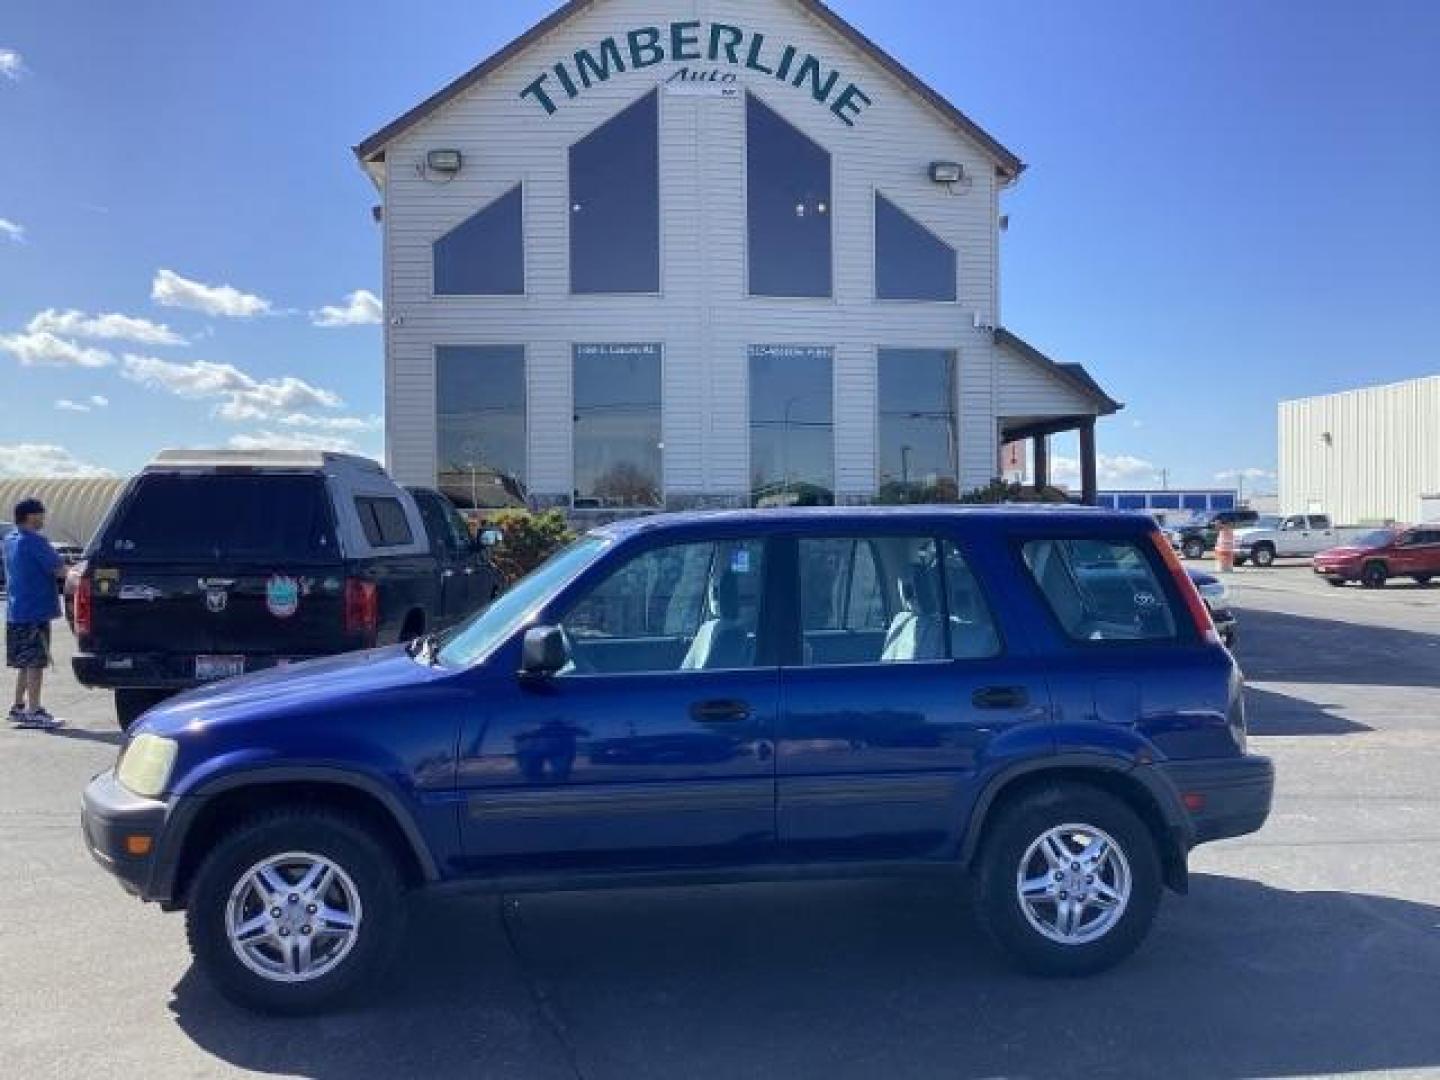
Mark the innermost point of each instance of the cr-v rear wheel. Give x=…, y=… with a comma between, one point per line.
x=294, y=910
x=1068, y=881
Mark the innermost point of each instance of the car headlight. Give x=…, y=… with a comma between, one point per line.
x=145, y=766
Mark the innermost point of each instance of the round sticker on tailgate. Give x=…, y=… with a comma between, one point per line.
x=282, y=596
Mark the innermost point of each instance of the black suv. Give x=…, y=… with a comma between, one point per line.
x=212, y=565
x=1200, y=537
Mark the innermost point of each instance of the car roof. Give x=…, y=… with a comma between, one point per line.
x=278, y=459
x=779, y=520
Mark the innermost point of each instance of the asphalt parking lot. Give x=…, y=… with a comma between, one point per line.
x=1312, y=948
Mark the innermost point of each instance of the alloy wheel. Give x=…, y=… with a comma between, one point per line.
x=294, y=917
x=1074, y=884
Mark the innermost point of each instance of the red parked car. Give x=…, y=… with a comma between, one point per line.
x=1376, y=557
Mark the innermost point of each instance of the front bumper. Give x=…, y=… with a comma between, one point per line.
x=1224, y=797
x=1338, y=571
x=110, y=816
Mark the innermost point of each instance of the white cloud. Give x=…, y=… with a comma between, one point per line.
x=361, y=308
x=1252, y=475
x=12, y=65
x=333, y=424
x=95, y=401
x=12, y=231
x=45, y=460
x=241, y=397
x=44, y=349
x=109, y=326
x=169, y=289
x=1113, y=470
x=293, y=440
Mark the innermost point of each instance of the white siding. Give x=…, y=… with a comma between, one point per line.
x=703, y=317
x=1381, y=457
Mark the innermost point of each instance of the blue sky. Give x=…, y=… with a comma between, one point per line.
x=1229, y=203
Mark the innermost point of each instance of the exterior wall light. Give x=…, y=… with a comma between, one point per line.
x=947, y=172
x=446, y=162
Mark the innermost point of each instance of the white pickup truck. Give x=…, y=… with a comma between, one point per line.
x=1299, y=536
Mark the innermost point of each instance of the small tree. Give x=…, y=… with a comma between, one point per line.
x=527, y=540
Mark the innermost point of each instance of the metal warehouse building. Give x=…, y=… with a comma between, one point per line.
x=675, y=253
x=1364, y=456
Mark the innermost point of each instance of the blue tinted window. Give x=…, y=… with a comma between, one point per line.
x=615, y=204
x=789, y=208
x=917, y=426
x=792, y=426
x=618, y=427
x=480, y=408
x=1195, y=502
x=1132, y=502
x=1106, y=502
x=485, y=254
x=911, y=262
x=1222, y=502
x=1165, y=502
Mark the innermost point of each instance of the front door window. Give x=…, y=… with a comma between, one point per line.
x=686, y=607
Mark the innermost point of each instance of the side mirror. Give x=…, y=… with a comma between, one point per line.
x=544, y=653
x=490, y=538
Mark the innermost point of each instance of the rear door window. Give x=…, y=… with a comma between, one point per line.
x=384, y=522
x=1101, y=590
x=242, y=517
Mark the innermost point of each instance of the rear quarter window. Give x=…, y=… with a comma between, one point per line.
x=1101, y=590
x=208, y=517
x=384, y=521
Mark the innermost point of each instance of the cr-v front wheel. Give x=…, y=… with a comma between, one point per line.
x=293, y=910
x=1068, y=881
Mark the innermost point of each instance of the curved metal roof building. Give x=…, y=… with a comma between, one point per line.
x=75, y=508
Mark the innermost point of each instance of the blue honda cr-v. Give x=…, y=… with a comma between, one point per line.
x=1035, y=698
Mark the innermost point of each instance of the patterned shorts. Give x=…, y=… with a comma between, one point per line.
x=27, y=645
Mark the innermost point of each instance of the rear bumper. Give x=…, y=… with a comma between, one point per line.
x=157, y=671
x=110, y=815
x=1224, y=798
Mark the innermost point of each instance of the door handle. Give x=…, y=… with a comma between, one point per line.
x=1001, y=697
x=720, y=712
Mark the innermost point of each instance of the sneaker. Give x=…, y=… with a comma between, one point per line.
x=41, y=718
x=22, y=717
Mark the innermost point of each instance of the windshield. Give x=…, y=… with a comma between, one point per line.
x=1377, y=539
x=477, y=639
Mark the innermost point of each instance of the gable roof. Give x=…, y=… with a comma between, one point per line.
x=1007, y=163
x=1073, y=375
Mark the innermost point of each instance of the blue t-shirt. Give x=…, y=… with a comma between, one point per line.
x=30, y=565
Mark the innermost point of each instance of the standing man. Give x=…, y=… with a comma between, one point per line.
x=31, y=569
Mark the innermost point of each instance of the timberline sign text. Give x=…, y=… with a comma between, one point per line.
x=692, y=43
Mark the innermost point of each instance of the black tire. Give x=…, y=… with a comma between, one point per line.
x=130, y=705
x=1423, y=580
x=1338, y=582
x=1263, y=555
x=1193, y=548
x=1241, y=560
x=345, y=843
x=1007, y=840
x=1374, y=576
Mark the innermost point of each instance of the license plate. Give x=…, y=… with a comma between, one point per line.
x=210, y=668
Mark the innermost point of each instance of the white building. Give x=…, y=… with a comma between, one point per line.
x=1363, y=456
x=702, y=253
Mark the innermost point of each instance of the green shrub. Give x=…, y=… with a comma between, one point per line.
x=998, y=491
x=527, y=540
